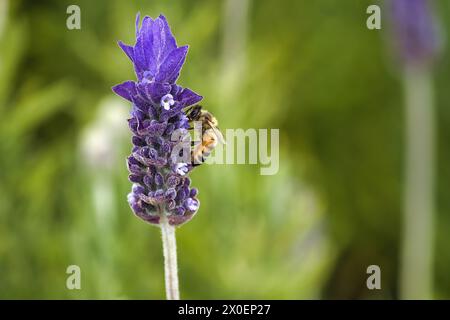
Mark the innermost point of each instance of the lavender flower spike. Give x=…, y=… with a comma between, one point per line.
x=416, y=32
x=416, y=35
x=161, y=186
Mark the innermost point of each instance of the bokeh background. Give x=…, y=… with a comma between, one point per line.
x=310, y=68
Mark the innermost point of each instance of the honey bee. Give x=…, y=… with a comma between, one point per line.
x=211, y=134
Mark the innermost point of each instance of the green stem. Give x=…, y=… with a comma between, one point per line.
x=170, y=259
x=418, y=230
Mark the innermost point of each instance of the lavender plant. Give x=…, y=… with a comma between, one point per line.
x=161, y=193
x=415, y=31
x=417, y=40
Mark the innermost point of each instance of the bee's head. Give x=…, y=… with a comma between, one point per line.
x=195, y=112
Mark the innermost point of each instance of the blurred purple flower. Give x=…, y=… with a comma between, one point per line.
x=160, y=183
x=415, y=30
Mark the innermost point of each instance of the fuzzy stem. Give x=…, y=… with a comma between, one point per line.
x=170, y=259
x=418, y=231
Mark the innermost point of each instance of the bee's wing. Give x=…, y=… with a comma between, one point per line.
x=218, y=133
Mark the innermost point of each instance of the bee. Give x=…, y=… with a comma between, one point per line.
x=211, y=134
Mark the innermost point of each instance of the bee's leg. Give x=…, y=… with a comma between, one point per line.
x=195, y=164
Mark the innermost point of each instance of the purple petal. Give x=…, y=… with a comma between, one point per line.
x=191, y=204
x=129, y=50
x=156, y=128
x=177, y=220
x=188, y=97
x=138, y=141
x=180, y=211
x=126, y=90
x=138, y=18
x=159, y=180
x=137, y=112
x=154, y=91
x=143, y=54
x=170, y=69
x=147, y=180
x=176, y=90
x=193, y=192
x=163, y=40
x=135, y=178
x=173, y=181
x=152, y=219
x=186, y=182
x=415, y=30
x=133, y=124
x=171, y=193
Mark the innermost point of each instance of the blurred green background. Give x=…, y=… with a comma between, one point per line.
x=310, y=68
